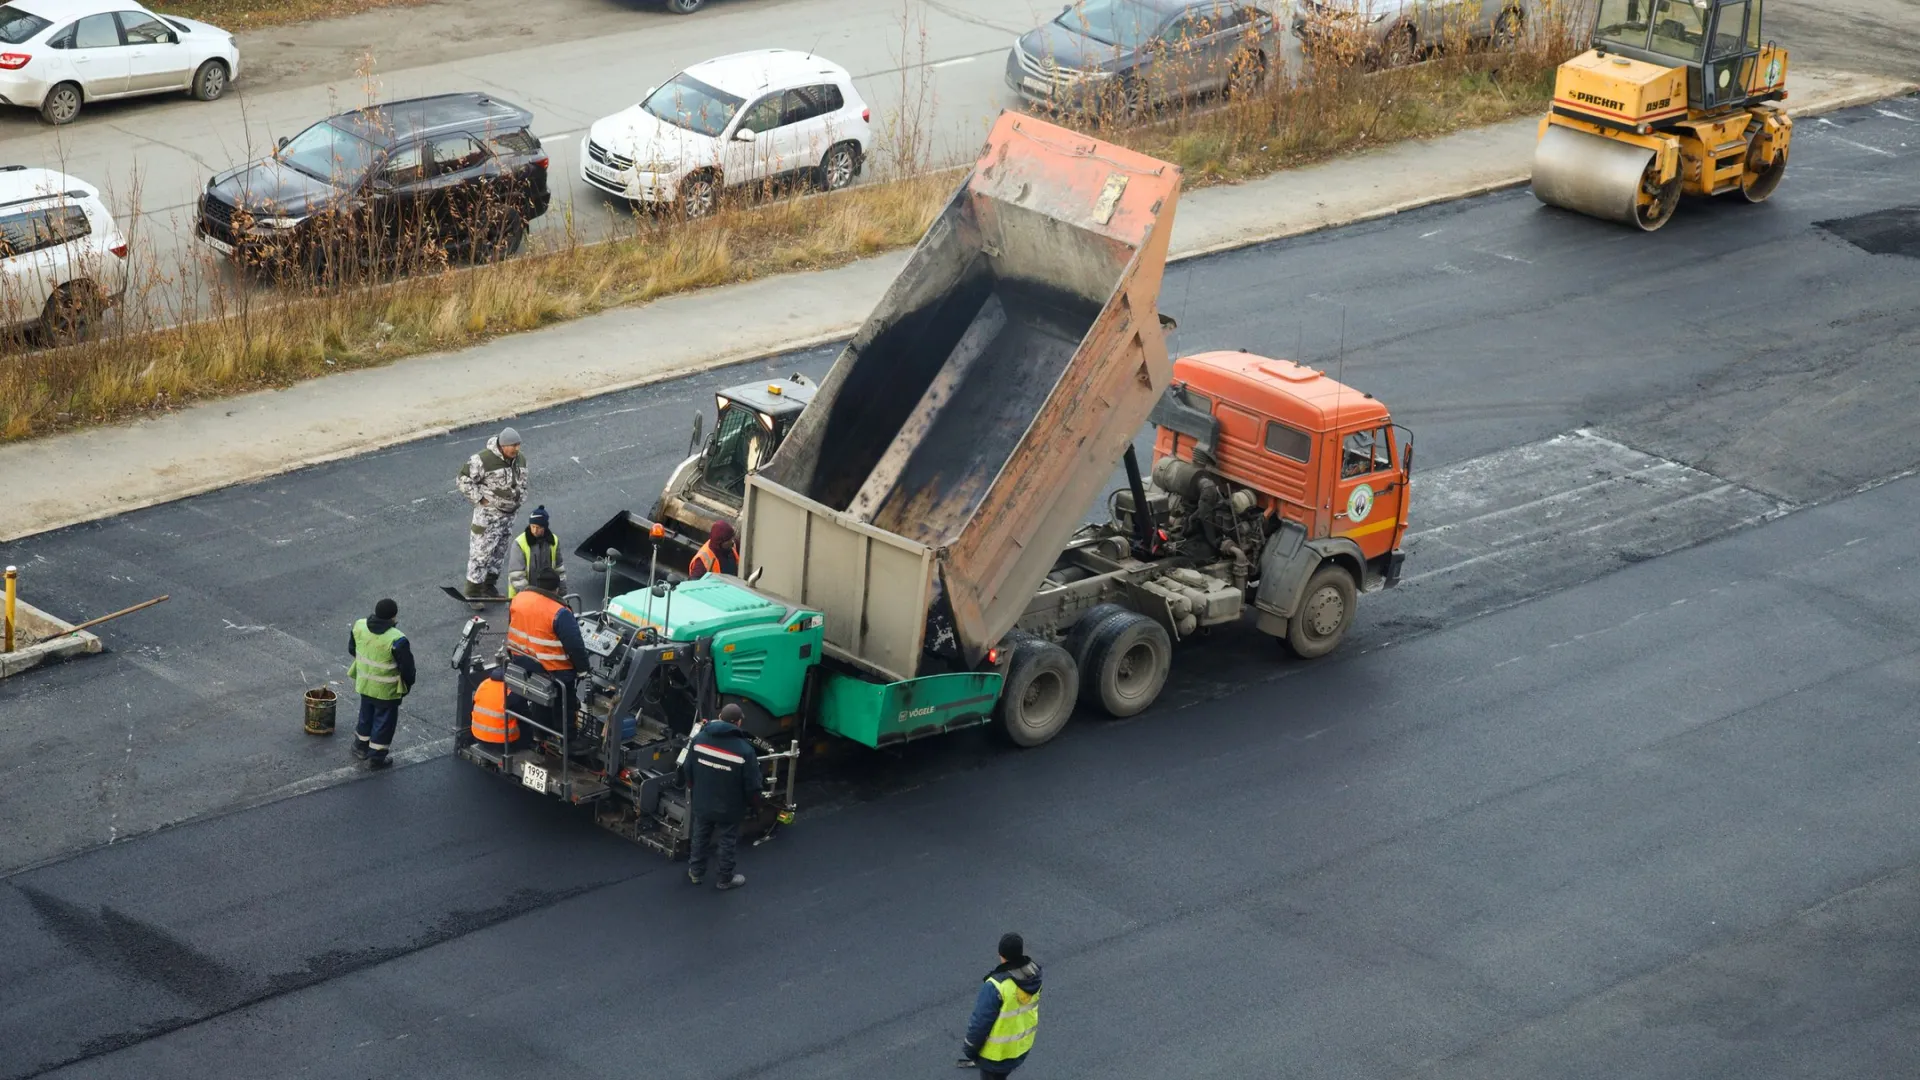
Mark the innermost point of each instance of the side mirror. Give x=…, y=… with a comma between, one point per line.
x=699, y=428
x=280, y=143
x=744, y=134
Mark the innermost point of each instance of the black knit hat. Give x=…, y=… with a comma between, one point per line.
x=1013, y=948
x=386, y=609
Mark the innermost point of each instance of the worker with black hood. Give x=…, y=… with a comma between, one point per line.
x=382, y=673
x=717, y=555
x=722, y=774
x=1006, y=1013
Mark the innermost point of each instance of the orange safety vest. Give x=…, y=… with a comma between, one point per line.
x=530, y=630
x=491, y=724
x=705, y=561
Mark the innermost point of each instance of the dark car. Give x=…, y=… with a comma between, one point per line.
x=456, y=174
x=1134, y=54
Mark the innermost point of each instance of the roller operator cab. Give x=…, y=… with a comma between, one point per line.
x=1674, y=97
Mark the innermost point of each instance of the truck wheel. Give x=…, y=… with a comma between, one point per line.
x=1326, y=610
x=1127, y=663
x=1080, y=640
x=1037, y=699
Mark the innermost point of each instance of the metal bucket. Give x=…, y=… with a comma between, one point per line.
x=320, y=708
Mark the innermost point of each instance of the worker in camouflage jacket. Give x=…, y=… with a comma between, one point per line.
x=495, y=482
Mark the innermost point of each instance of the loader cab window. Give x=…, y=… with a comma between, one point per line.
x=1365, y=452
x=1623, y=23
x=1680, y=30
x=740, y=445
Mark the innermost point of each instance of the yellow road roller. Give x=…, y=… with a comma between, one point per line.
x=1675, y=97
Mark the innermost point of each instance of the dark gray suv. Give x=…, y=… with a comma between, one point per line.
x=1134, y=54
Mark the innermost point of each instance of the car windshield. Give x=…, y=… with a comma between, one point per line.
x=18, y=27
x=689, y=103
x=327, y=153
x=1124, y=24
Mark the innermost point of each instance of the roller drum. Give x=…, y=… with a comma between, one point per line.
x=1591, y=175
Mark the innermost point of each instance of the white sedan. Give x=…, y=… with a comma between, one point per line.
x=57, y=54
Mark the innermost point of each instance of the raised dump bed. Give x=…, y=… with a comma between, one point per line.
x=961, y=435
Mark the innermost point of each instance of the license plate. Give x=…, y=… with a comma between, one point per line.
x=535, y=777
x=602, y=171
x=218, y=244
x=1035, y=85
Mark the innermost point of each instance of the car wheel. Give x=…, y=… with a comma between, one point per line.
x=1401, y=46
x=70, y=313
x=699, y=195
x=505, y=238
x=61, y=104
x=1127, y=665
x=1508, y=26
x=211, y=80
x=838, y=167
x=1247, y=74
x=685, y=7
x=1133, y=101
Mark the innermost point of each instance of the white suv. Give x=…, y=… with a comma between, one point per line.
x=747, y=118
x=63, y=260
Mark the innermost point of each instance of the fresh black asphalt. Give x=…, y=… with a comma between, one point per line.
x=1653, y=823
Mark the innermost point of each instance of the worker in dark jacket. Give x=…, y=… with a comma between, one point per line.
x=717, y=555
x=722, y=775
x=1006, y=1013
x=382, y=673
x=543, y=637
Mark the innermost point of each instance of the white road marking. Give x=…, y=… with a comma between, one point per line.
x=952, y=62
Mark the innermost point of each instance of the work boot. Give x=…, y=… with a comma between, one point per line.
x=733, y=882
x=493, y=584
x=693, y=878
x=380, y=762
x=360, y=749
x=474, y=590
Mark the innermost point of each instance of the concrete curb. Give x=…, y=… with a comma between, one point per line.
x=1877, y=89
x=56, y=641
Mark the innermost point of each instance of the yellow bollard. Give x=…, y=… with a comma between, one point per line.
x=13, y=575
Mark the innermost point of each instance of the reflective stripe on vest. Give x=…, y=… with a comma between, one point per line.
x=526, y=558
x=530, y=630
x=491, y=724
x=375, y=674
x=1013, y=1031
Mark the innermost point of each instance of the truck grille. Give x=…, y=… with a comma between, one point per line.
x=607, y=157
x=1046, y=71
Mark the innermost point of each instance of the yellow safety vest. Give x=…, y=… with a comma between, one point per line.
x=526, y=557
x=1014, y=1029
x=375, y=672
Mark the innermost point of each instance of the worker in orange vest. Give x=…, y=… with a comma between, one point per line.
x=717, y=555
x=543, y=636
x=491, y=724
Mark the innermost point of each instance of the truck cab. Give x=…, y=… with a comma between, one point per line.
x=1317, y=454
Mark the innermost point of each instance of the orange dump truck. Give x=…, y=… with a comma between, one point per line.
x=930, y=499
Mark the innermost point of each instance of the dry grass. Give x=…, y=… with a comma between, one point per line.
x=119, y=377
x=254, y=14
x=301, y=332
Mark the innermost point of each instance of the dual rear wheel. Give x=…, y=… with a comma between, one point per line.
x=1115, y=659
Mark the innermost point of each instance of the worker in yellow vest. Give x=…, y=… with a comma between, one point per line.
x=534, y=550
x=382, y=673
x=1006, y=1013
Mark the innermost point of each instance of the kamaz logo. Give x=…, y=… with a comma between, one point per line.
x=1605, y=103
x=911, y=714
